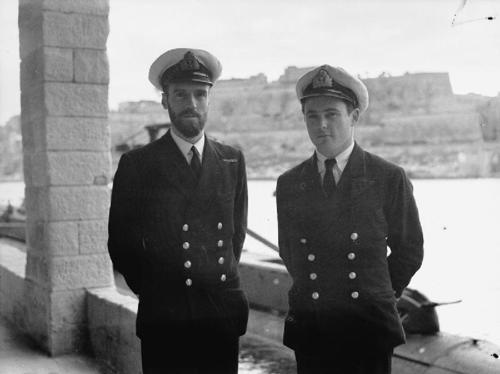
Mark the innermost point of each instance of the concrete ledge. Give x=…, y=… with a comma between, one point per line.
x=12, y=269
x=265, y=283
x=267, y=326
x=111, y=322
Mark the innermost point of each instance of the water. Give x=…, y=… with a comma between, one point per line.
x=11, y=191
x=460, y=218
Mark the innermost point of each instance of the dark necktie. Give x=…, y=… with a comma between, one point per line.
x=328, y=180
x=195, y=163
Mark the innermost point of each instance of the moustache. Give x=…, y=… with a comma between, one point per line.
x=189, y=112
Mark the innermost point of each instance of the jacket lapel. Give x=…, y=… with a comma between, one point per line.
x=309, y=179
x=211, y=172
x=357, y=168
x=354, y=177
x=173, y=166
x=309, y=199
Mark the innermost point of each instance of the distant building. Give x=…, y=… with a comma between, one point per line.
x=490, y=119
x=258, y=80
x=438, y=84
x=143, y=106
x=292, y=74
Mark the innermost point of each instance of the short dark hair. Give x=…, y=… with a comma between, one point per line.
x=348, y=104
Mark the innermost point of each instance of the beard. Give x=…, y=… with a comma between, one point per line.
x=189, y=127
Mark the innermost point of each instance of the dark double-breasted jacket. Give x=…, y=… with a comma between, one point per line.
x=178, y=242
x=345, y=284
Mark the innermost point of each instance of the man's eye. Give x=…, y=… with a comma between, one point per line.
x=201, y=94
x=312, y=116
x=179, y=95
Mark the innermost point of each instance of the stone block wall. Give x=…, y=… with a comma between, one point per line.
x=67, y=164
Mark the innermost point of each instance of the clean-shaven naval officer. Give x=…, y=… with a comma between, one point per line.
x=338, y=211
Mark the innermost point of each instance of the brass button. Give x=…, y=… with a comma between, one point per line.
x=185, y=227
x=313, y=276
x=354, y=236
x=185, y=245
x=187, y=264
x=189, y=282
x=351, y=256
x=315, y=295
x=223, y=277
x=220, y=260
x=219, y=226
x=352, y=275
x=220, y=243
x=311, y=257
x=355, y=294
x=303, y=240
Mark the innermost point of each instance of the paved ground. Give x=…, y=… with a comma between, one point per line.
x=264, y=356
x=18, y=355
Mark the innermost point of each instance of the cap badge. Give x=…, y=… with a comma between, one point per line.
x=322, y=79
x=189, y=62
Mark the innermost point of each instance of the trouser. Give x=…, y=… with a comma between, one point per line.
x=365, y=361
x=200, y=354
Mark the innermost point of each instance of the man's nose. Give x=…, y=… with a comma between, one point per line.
x=323, y=123
x=191, y=101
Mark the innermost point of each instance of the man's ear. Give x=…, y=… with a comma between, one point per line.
x=164, y=100
x=355, y=116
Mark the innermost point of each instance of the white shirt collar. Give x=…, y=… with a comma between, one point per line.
x=342, y=159
x=185, y=147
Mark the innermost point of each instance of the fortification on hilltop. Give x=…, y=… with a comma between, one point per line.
x=292, y=74
x=414, y=119
x=255, y=81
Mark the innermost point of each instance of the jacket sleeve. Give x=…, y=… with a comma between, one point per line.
x=240, y=209
x=405, y=238
x=283, y=226
x=125, y=239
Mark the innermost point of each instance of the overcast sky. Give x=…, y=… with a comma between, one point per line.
x=366, y=37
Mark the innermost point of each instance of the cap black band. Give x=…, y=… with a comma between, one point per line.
x=189, y=69
x=336, y=90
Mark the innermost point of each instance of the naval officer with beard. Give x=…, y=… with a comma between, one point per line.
x=177, y=224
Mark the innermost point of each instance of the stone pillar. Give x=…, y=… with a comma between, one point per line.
x=67, y=163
